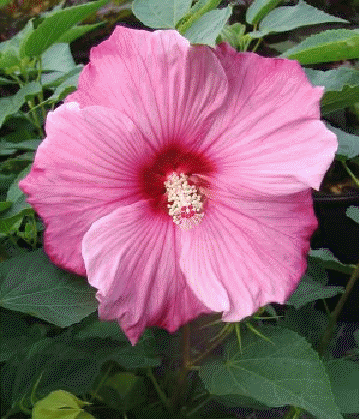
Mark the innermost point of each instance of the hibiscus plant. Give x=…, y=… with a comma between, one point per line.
x=157, y=247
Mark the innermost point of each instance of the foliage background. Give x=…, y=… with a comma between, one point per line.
x=57, y=359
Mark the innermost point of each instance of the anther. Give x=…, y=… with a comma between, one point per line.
x=186, y=205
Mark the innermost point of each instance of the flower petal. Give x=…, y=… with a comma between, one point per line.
x=268, y=135
x=131, y=257
x=158, y=77
x=255, y=247
x=82, y=171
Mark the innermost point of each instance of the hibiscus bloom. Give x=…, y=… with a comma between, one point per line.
x=178, y=179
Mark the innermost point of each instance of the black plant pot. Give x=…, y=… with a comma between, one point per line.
x=336, y=230
x=340, y=234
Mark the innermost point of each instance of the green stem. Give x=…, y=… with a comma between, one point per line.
x=192, y=18
x=222, y=337
x=191, y=413
x=40, y=95
x=325, y=339
x=184, y=370
x=257, y=45
x=36, y=121
x=101, y=383
x=348, y=170
x=293, y=413
x=159, y=391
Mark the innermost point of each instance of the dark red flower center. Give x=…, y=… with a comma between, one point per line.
x=184, y=168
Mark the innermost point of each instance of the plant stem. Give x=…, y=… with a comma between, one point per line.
x=40, y=95
x=159, y=391
x=348, y=170
x=191, y=413
x=216, y=343
x=185, y=368
x=192, y=18
x=101, y=383
x=325, y=339
x=257, y=45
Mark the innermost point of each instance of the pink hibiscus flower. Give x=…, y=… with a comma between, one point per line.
x=178, y=179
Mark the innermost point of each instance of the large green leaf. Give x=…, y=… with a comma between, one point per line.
x=331, y=45
x=344, y=378
x=286, y=18
x=11, y=104
x=77, y=31
x=12, y=218
x=341, y=87
x=56, y=24
x=310, y=290
x=328, y=261
x=284, y=371
x=160, y=14
x=8, y=148
x=259, y=9
x=208, y=27
x=96, y=334
x=348, y=144
x=32, y=284
x=123, y=391
x=48, y=364
x=353, y=213
x=58, y=58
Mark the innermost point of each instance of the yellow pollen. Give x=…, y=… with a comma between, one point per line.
x=185, y=201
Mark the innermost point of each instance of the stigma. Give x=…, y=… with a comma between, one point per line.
x=185, y=201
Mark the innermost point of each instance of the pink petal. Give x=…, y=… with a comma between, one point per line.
x=170, y=88
x=268, y=135
x=131, y=257
x=254, y=247
x=83, y=170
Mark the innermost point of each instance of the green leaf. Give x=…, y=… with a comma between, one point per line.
x=32, y=284
x=234, y=35
x=48, y=364
x=286, y=372
x=4, y=81
x=101, y=329
x=8, y=148
x=65, y=88
x=12, y=218
x=286, y=18
x=341, y=87
x=348, y=144
x=328, y=261
x=309, y=290
x=78, y=31
x=160, y=14
x=55, y=78
x=95, y=333
x=16, y=196
x=259, y=9
x=353, y=213
x=17, y=334
x=331, y=45
x=4, y=2
x=58, y=58
x=9, y=53
x=11, y=104
x=4, y=205
x=208, y=27
x=60, y=405
x=56, y=24
x=11, y=223
x=344, y=379
x=123, y=391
